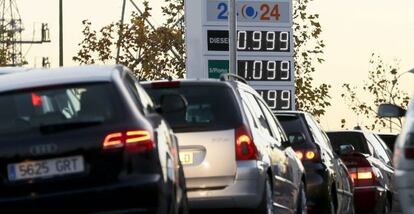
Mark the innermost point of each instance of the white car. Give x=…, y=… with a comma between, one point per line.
x=10, y=70
x=403, y=154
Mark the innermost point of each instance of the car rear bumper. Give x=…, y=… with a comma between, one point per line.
x=317, y=180
x=137, y=193
x=369, y=199
x=245, y=192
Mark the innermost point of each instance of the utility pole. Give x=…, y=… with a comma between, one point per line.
x=232, y=37
x=121, y=29
x=60, y=33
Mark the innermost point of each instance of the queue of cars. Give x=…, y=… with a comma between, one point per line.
x=95, y=139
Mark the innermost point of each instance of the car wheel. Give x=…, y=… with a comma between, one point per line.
x=183, y=209
x=301, y=201
x=387, y=206
x=266, y=205
x=330, y=209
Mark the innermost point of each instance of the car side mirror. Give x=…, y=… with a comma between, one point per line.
x=171, y=103
x=345, y=149
x=390, y=110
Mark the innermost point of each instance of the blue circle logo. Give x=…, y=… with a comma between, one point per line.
x=249, y=12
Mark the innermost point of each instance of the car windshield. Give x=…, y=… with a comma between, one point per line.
x=209, y=108
x=356, y=139
x=61, y=107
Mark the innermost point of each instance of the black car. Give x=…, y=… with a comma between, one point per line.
x=329, y=186
x=389, y=139
x=236, y=154
x=85, y=139
x=369, y=161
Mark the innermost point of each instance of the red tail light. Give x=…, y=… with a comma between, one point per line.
x=245, y=148
x=309, y=155
x=36, y=100
x=362, y=176
x=133, y=141
x=167, y=84
x=409, y=153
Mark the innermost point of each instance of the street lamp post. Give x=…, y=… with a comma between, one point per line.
x=392, y=89
x=60, y=33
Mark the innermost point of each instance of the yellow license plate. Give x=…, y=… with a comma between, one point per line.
x=187, y=158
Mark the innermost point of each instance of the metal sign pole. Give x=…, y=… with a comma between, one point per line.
x=232, y=37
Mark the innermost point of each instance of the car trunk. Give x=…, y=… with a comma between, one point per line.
x=205, y=130
x=77, y=158
x=208, y=158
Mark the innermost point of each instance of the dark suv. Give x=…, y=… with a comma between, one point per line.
x=329, y=186
x=234, y=151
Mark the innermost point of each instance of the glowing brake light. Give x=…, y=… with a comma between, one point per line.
x=133, y=141
x=245, y=148
x=113, y=140
x=36, y=100
x=299, y=154
x=309, y=155
x=362, y=176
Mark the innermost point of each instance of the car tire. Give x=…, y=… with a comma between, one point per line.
x=183, y=209
x=266, y=204
x=387, y=206
x=301, y=200
x=330, y=209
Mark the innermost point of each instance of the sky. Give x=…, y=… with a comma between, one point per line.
x=352, y=31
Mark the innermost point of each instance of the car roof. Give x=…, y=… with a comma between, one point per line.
x=348, y=131
x=188, y=82
x=10, y=70
x=47, y=77
x=287, y=113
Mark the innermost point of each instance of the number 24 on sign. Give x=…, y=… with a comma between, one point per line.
x=267, y=12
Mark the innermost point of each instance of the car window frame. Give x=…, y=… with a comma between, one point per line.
x=245, y=95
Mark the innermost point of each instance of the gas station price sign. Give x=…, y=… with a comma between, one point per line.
x=264, y=45
x=250, y=13
x=278, y=99
x=271, y=41
x=265, y=70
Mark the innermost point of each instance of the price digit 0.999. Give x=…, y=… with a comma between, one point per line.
x=265, y=70
x=264, y=41
x=277, y=99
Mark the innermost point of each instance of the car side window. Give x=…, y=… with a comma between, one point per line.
x=130, y=84
x=378, y=149
x=272, y=123
x=249, y=114
x=145, y=99
x=257, y=112
x=318, y=133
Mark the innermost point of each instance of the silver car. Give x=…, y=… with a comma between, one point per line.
x=11, y=70
x=234, y=151
x=403, y=154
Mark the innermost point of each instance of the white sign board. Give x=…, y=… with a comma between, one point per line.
x=264, y=45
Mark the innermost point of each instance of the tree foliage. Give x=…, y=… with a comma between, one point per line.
x=147, y=50
x=150, y=52
x=308, y=53
x=381, y=87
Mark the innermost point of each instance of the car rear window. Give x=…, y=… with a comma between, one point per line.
x=60, y=107
x=291, y=123
x=209, y=108
x=357, y=140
